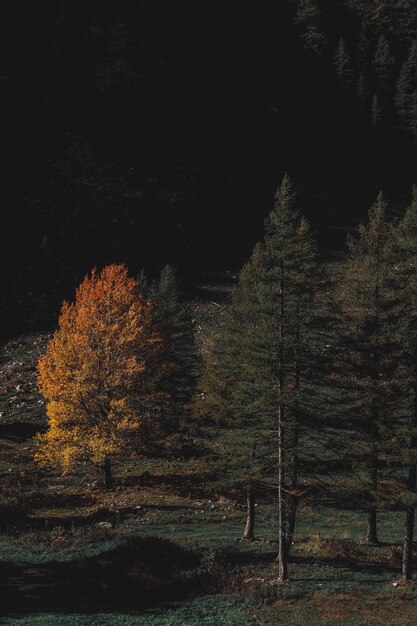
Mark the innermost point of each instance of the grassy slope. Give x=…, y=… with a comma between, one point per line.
x=177, y=496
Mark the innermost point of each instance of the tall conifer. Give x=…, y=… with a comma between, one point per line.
x=405, y=280
x=267, y=361
x=365, y=298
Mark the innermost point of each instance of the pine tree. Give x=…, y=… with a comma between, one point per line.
x=406, y=89
x=229, y=391
x=308, y=19
x=379, y=14
x=376, y=111
x=365, y=298
x=172, y=316
x=264, y=359
x=384, y=64
x=405, y=281
x=342, y=63
x=364, y=45
x=289, y=287
x=362, y=90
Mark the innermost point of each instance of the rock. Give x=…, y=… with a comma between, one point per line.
x=105, y=525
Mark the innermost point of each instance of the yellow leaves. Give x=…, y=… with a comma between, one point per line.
x=93, y=368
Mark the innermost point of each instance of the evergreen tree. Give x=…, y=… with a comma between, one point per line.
x=363, y=45
x=366, y=302
x=362, y=92
x=384, y=64
x=405, y=281
x=308, y=19
x=376, y=111
x=407, y=85
x=378, y=13
x=342, y=63
x=229, y=392
x=173, y=318
x=265, y=365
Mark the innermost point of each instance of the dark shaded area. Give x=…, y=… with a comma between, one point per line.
x=145, y=572
x=148, y=132
x=20, y=431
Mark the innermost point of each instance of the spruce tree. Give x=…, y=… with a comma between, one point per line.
x=405, y=281
x=265, y=364
x=173, y=318
x=376, y=111
x=342, y=63
x=366, y=302
x=362, y=92
x=308, y=19
x=383, y=64
x=405, y=97
x=229, y=390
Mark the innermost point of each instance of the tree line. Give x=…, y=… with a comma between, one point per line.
x=303, y=353
x=307, y=351
x=374, y=54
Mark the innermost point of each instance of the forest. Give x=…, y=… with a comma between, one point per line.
x=208, y=323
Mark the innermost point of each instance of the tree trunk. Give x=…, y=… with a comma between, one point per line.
x=292, y=498
x=282, y=513
x=250, y=514
x=407, y=560
x=282, y=530
x=293, y=446
x=372, y=535
x=108, y=479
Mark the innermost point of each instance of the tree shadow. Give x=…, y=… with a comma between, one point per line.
x=142, y=573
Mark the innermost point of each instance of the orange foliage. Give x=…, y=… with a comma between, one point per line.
x=96, y=370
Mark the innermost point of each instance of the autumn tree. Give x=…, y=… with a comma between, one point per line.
x=96, y=374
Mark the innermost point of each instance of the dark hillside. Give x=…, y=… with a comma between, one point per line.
x=150, y=132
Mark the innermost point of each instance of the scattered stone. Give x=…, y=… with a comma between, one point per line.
x=105, y=525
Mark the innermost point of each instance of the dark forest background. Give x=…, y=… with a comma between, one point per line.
x=152, y=132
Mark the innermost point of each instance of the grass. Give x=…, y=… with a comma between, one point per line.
x=171, y=536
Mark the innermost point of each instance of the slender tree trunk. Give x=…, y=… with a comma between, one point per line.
x=282, y=513
x=292, y=498
x=372, y=535
x=293, y=444
x=108, y=478
x=282, y=526
x=250, y=514
x=407, y=560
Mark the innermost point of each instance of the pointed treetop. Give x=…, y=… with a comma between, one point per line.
x=373, y=229
x=377, y=212
x=408, y=224
x=167, y=278
x=284, y=214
